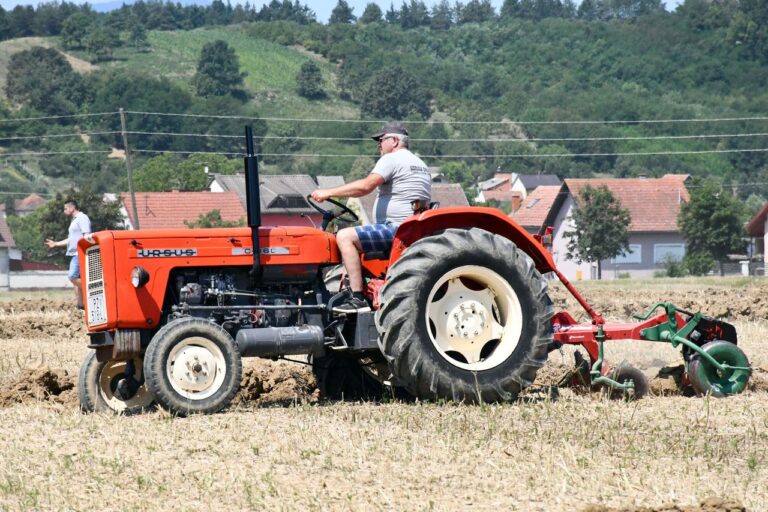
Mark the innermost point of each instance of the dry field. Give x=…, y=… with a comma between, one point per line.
x=279, y=448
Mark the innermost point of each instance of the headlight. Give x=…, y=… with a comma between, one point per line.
x=139, y=277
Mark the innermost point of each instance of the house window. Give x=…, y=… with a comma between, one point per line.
x=661, y=251
x=635, y=255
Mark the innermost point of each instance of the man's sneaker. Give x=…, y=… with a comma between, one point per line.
x=354, y=304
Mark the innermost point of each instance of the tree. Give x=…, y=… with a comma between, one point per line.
x=137, y=34
x=309, y=81
x=213, y=219
x=476, y=11
x=42, y=78
x=749, y=28
x=601, y=227
x=342, y=13
x=371, y=14
x=75, y=30
x=172, y=172
x=101, y=42
x=442, y=16
x=712, y=223
x=395, y=93
x=218, y=70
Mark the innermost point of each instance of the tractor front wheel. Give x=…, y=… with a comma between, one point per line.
x=465, y=316
x=707, y=379
x=105, y=387
x=193, y=366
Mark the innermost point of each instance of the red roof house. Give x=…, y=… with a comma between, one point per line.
x=653, y=204
x=170, y=210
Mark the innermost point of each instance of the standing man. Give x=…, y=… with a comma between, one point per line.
x=79, y=226
x=404, y=186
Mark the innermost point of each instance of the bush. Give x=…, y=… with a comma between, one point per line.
x=673, y=267
x=698, y=264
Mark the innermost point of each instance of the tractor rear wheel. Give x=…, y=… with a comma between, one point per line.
x=193, y=366
x=103, y=387
x=707, y=379
x=465, y=316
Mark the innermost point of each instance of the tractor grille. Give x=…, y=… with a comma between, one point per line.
x=94, y=287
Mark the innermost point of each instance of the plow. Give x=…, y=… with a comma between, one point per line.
x=460, y=312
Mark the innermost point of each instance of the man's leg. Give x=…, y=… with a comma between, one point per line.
x=74, y=278
x=350, y=249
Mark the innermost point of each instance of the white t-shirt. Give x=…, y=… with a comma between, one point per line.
x=80, y=225
x=406, y=178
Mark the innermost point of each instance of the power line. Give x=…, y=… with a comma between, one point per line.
x=492, y=140
x=39, y=153
x=569, y=155
x=505, y=122
x=21, y=119
x=55, y=136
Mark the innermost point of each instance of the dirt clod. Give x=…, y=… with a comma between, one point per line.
x=268, y=383
x=40, y=384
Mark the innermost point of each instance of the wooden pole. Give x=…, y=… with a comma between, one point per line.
x=130, y=171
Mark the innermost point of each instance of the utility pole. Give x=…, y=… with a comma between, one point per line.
x=130, y=171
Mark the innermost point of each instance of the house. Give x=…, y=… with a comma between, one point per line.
x=7, y=245
x=26, y=205
x=653, y=204
x=170, y=210
x=282, y=197
x=447, y=194
x=757, y=228
x=533, y=211
x=512, y=188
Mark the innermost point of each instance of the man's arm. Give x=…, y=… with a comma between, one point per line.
x=357, y=188
x=60, y=243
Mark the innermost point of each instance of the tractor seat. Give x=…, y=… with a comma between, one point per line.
x=384, y=255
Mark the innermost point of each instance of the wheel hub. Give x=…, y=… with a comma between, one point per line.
x=194, y=368
x=469, y=321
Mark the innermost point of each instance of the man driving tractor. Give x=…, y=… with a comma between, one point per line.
x=404, y=186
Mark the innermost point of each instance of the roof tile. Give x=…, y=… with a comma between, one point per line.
x=169, y=210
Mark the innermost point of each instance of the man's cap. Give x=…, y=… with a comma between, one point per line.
x=395, y=127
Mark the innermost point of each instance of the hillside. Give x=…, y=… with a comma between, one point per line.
x=557, y=95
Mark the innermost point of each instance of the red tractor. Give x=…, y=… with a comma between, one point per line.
x=461, y=313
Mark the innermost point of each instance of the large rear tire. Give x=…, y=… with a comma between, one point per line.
x=193, y=366
x=98, y=383
x=465, y=316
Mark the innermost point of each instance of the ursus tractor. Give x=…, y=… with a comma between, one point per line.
x=460, y=313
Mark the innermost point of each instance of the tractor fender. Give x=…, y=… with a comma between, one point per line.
x=490, y=219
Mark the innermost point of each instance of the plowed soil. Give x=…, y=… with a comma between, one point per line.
x=279, y=446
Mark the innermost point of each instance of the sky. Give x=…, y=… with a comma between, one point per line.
x=322, y=8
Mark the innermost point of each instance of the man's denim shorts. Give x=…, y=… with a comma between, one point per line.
x=74, y=268
x=376, y=237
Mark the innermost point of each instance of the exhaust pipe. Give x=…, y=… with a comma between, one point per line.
x=281, y=341
x=253, y=202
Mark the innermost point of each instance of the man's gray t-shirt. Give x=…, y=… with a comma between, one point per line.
x=80, y=225
x=406, y=178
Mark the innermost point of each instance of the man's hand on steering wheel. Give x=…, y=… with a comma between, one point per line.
x=344, y=214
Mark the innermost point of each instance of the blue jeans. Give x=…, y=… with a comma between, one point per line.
x=74, y=268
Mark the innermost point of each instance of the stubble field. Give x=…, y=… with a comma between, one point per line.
x=280, y=448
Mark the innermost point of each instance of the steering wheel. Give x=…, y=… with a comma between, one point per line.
x=345, y=215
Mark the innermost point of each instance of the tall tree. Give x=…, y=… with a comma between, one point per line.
x=395, y=93
x=476, y=11
x=75, y=30
x=601, y=227
x=218, y=70
x=371, y=14
x=309, y=81
x=342, y=13
x=712, y=223
x=442, y=16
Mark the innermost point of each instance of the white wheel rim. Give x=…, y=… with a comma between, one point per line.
x=196, y=368
x=475, y=327
x=116, y=369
